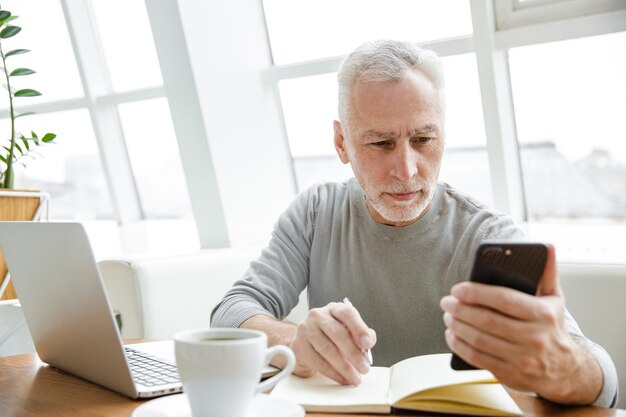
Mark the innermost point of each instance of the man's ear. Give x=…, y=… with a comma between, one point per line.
x=340, y=142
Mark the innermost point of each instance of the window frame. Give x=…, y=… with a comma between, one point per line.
x=517, y=13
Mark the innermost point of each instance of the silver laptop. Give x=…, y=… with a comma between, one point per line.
x=68, y=313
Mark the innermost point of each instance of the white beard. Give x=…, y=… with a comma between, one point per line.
x=401, y=211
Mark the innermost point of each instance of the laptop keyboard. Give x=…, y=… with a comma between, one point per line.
x=148, y=371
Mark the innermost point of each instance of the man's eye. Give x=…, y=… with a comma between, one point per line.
x=423, y=139
x=383, y=143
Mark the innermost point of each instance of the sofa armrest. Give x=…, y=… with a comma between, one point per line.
x=594, y=295
x=158, y=296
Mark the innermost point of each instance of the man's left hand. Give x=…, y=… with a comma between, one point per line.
x=522, y=339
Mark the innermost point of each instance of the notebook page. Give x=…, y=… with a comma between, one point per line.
x=429, y=371
x=322, y=392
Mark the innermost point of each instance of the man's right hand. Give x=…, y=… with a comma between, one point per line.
x=331, y=340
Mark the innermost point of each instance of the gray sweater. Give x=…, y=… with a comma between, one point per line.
x=395, y=276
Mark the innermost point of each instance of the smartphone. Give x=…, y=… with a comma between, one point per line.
x=517, y=265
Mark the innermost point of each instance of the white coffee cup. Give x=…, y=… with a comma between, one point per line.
x=220, y=369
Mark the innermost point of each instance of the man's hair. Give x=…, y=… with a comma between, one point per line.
x=385, y=60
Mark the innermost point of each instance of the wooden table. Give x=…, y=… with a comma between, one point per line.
x=30, y=388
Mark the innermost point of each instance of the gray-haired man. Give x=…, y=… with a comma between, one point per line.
x=399, y=245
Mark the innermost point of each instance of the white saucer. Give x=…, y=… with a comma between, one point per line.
x=176, y=405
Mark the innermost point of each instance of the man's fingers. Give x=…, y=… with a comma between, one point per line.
x=487, y=320
x=331, y=354
x=501, y=369
x=334, y=336
x=350, y=317
x=314, y=362
x=470, y=354
x=505, y=300
x=338, y=335
x=331, y=339
x=477, y=339
x=549, y=282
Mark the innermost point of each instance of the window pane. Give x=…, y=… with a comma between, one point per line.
x=465, y=163
x=301, y=31
x=569, y=102
x=69, y=168
x=132, y=60
x=155, y=159
x=51, y=53
x=310, y=105
x=309, y=108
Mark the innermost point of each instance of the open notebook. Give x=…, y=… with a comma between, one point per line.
x=424, y=383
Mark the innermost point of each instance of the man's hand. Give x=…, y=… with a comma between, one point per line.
x=329, y=340
x=522, y=339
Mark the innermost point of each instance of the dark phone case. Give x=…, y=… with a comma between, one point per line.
x=521, y=270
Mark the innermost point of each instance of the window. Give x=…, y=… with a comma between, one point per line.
x=122, y=78
x=564, y=162
x=154, y=156
x=69, y=168
x=465, y=164
x=309, y=108
x=54, y=80
x=569, y=101
x=517, y=13
x=301, y=31
x=132, y=60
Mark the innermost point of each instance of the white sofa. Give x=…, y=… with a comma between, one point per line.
x=158, y=296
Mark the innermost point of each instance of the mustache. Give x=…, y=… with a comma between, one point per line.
x=400, y=187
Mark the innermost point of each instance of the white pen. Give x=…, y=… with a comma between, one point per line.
x=368, y=352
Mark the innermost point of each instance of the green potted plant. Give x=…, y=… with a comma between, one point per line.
x=18, y=148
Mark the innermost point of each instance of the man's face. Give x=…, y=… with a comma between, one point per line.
x=394, y=142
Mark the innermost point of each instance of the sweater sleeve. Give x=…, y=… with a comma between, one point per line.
x=608, y=395
x=273, y=282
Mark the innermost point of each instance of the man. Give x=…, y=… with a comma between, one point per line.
x=395, y=242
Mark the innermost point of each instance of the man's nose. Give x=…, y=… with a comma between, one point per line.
x=405, y=163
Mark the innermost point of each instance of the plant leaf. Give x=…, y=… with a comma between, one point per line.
x=34, y=134
x=8, y=150
x=4, y=14
x=10, y=31
x=21, y=71
x=26, y=143
x=48, y=137
x=28, y=113
x=8, y=19
x=3, y=159
x=18, y=148
x=16, y=52
x=27, y=92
